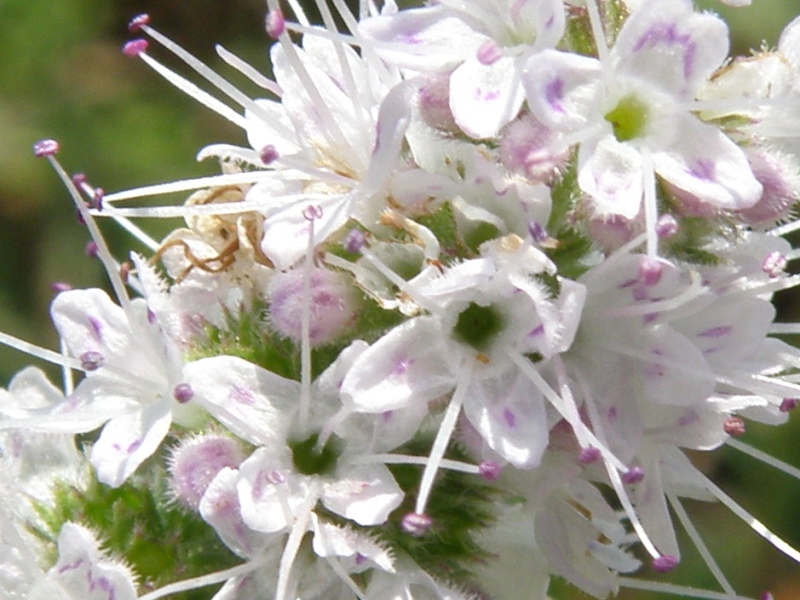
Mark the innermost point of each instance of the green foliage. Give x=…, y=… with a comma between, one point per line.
x=160, y=541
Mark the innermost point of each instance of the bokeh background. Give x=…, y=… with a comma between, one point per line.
x=62, y=75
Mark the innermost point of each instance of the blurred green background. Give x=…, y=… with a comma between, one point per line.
x=62, y=75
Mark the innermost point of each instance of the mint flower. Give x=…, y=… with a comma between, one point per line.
x=449, y=326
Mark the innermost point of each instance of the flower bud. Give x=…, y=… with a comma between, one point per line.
x=195, y=462
x=332, y=305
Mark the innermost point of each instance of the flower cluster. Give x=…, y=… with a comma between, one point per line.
x=445, y=329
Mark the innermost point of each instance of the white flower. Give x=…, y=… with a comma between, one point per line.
x=483, y=43
x=629, y=111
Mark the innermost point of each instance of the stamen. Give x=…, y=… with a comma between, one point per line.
x=675, y=590
x=666, y=226
x=310, y=213
x=138, y=21
x=183, y=392
x=442, y=440
x=44, y=148
x=788, y=404
x=489, y=470
x=589, y=455
x=697, y=540
x=665, y=563
x=275, y=24
x=734, y=426
x=268, y=154
x=296, y=535
x=135, y=47
x=102, y=248
x=354, y=241
x=91, y=360
x=39, y=352
x=774, y=264
x=416, y=524
x=633, y=475
x=206, y=580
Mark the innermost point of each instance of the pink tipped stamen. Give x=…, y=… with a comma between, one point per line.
x=788, y=404
x=665, y=563
x=135, y=47
x=774, y=264
x=633, y=475
x=666, y=226
x=275, y=23
x=416, y=524
x=137, y=22
x=45, y=148
x=734, y=426
x=354, y=241
x=60, y=286
x=489, y=470
x=269, y=154
x=182, y=393
x=91, y=249
x=589, y=455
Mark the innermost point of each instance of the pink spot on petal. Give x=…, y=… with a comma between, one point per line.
x=509, y=417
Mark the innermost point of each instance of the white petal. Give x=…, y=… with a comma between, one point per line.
x=407, y=365
x=611, y=173
x=286, y=231
x=219, y=507
x=269, y=493
x=252, y=402
x=670, y=45
x=562, y=89
x=82, y=573
x=366, y=494
x=88, y=321
x=128, y=440
x=333, y=540
x=509, y=413
x=484, y=98
x=706, y=164
x=422, y=39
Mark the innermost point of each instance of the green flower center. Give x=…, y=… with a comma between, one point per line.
x=478, y=326
x=628, y=118
x=308, y=460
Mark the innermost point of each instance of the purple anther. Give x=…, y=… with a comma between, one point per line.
x=311, y=212
x=589, y=455
x=665, y=563
x=489, y=53
x=666, y=226
x=354, y=241
x=138, y=21
x=45, y=148
x=91, y=360
x=60, y=286
x=774, y=264
x=538, y=233
x=788, y=404
x=766, y=596
x=135, y=47
x=269, y=154
x=183, y=392
x=91, y=249
x=97, y=198
x=633, y=475
x=416, y=524
x=650, y=271
x=734, y=426
x=275, y=23
x=79, y=179
x=489, y=470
